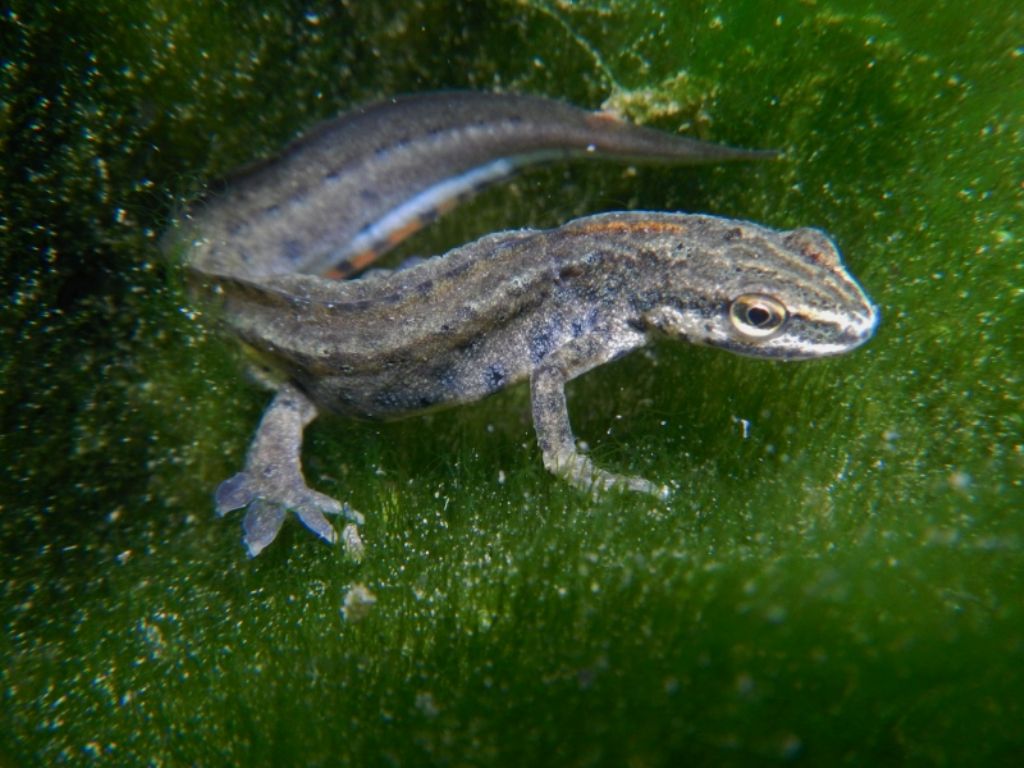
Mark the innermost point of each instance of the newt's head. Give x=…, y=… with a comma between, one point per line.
x=759, y=292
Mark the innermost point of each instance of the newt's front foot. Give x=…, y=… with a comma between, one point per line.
x=272, y=482
x=551, y=422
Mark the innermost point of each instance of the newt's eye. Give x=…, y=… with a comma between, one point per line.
x=756, y=316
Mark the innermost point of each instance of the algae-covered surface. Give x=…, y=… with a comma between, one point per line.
x=838, y=574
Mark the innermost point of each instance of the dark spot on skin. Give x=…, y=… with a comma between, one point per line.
x=292, y=251
x=459, y=269
x=540, y=345
x=494, y=376
x=542, y=342
x=369, y=195
x=569, y=272
x=733, y=234
x=577, y=328
x=446, y=379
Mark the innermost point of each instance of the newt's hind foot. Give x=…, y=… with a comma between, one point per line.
x=272, y=482
x=269, y=502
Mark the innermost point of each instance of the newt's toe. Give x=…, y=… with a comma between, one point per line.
x=262, y=522
x=234, y=493
x=313, y=518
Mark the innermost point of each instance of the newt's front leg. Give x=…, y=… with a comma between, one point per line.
x=551, y=418
x=272, y=482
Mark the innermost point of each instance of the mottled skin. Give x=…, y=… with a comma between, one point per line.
x=544, y=306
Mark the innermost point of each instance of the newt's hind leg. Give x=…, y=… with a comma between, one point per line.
x=272, y=481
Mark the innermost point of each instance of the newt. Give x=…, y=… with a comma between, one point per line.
x=542, y=306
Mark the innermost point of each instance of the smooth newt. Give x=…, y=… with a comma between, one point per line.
x=545, y=306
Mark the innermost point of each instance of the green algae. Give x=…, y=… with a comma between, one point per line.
x=838, y=575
